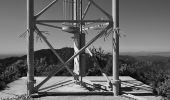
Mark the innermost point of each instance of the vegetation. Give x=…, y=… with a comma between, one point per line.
x=22, y=97
x=152, y=70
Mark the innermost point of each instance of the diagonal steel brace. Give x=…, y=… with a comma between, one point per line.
x=53, y=50
x=86, y=9
x=45, y=9
x=54, y=71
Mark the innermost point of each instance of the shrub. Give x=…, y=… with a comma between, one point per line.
x=2, y=85
x=163, y=88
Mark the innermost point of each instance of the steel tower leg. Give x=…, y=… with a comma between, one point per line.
x=30, y=50
x=76, y=37
x=115, y=42
x=79, y=40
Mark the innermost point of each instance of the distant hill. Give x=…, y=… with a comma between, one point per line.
x=65, y=53
x=164, y=54
x=3, y=56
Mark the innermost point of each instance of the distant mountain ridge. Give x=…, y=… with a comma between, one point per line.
x=161, y=53
x=3, y=56
x=39, y=54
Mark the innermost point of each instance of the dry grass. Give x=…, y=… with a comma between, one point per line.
x=21, y=97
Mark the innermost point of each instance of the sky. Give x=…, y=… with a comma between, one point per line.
x=146, y=24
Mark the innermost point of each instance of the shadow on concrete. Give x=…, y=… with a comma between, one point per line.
x=136, y=85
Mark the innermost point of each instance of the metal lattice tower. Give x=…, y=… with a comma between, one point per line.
x=74, y=23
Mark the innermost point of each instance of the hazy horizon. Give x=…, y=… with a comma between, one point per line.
x=24, y=53
x=130, y=53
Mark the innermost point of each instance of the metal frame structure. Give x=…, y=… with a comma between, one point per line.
x=79, y=44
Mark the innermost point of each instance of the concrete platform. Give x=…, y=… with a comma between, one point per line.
x=128, y=86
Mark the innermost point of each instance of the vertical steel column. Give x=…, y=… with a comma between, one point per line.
x=82, y=44
x=115, y=42
x=82, y=57
x=79, y=41
x=76, y=37
x=30, y=51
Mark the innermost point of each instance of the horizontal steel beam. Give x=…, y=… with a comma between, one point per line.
x=53, y=26
x=71, y=21
x=71, y=93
